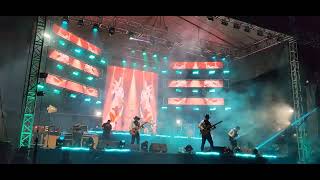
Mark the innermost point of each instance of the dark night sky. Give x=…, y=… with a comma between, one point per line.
x=15, y=36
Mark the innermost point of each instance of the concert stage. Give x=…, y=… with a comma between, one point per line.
x=46, y=156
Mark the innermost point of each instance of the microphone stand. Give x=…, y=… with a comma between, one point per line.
x=35, y=151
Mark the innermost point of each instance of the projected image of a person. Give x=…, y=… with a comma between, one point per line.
x=117, y=100
x=145, y=102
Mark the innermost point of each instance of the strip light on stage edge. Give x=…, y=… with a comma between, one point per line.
x=208, y=153
x=117, y=150
x=75, y=149
x=245, y=155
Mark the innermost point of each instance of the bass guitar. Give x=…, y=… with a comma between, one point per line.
x=207, y=130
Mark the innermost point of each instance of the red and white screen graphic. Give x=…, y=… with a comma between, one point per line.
x=129, y=93
x=196, y=101
x=196, y=83
x=70, y=85
x=75, y=39
x=63, y=58
x=196, y=65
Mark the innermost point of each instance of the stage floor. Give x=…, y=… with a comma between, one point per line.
x=55, y=156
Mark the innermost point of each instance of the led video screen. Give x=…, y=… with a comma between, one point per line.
x=196, y=83
x=65, y=59
x=128, y=93
x=196, y=65
x=75, y=39
x=196, y=101
x=70, y=85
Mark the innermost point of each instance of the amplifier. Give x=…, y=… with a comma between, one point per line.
x=155, y=147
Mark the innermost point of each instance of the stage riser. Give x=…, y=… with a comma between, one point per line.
x=95, y=157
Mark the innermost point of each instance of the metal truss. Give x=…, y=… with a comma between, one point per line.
x=32, y=81
x=122, y=25
x=303, y=147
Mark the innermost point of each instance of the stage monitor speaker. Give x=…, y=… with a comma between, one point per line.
x=134, y=147
x=219, y=149
x=155, y=147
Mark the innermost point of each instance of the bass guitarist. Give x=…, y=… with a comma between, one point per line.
x=134, y=130
x=205, y=129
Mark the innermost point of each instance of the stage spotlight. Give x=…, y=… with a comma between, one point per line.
x=247, y=29
x=291, y=110
x=90, y=78
x=59, y=142
x=169, y=44
x=43, y=75
x=279, y=38
x=122, y=143
x=178, y=122
x=144, y=146
x=130, y=34
x=46, y=35
x=236, y=26
x=256, y=152
x=95, y=28
x=98, y=113
x=210, y=18
x=88, y=143
x=73, y=95
x=40, y=86
x=224, y=22
x=259, y=32
x=111, y=30
x=56, y=91
x=40, y=93
x=80, y=23
x=188, y=149
x=152, y=40
x=65, y=20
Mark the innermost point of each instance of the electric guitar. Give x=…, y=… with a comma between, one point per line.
x=134, y=131
x=208, y=129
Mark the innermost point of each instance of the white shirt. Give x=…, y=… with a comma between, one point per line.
x=133, y=126
x=233, y=132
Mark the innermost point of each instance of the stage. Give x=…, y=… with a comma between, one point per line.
x=86, y=156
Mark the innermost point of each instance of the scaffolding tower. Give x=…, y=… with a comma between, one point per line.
x=303, y=147
x=30, y=95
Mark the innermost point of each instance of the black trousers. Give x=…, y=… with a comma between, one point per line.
x=135, y=137
x=233, y=143
x=204, y=138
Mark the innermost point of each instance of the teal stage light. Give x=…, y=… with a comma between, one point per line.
x=212, y=72
x=195, y=72
x=178, y=90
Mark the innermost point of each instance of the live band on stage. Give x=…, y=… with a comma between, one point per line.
x=79, y=135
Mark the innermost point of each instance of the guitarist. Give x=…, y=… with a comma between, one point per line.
x=135, y=126
x=233, y=134
x=205, y=129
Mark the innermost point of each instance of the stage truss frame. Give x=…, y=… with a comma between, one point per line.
x=30, y=96
x=32, y=81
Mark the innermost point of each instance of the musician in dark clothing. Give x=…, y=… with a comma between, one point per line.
x=205, y=129
x=135, y=127
x=233, y=134
x=107, y=127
